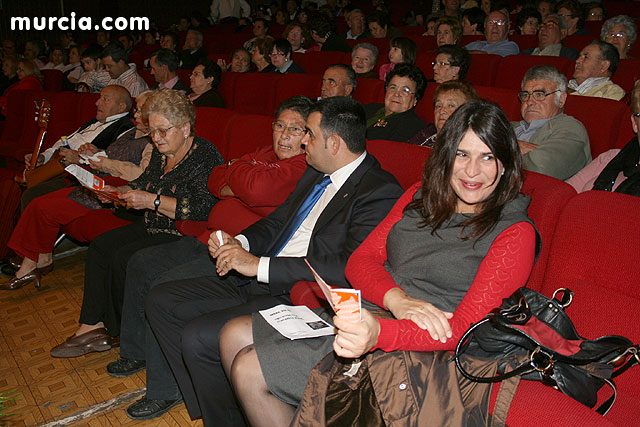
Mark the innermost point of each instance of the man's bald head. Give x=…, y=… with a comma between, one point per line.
x=114, y=99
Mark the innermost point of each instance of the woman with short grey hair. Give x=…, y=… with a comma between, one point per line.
x=621, y=32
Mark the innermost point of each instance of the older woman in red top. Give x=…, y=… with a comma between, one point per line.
x=30, y=79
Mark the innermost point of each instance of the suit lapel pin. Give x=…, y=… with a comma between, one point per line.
x=345, y=195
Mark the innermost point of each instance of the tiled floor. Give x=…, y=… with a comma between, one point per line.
x=47, y=389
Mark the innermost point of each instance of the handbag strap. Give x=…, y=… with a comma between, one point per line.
x=523, y=368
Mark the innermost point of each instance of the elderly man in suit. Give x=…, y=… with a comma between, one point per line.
x=340, y=198
x=552, y=143
x=112, y=120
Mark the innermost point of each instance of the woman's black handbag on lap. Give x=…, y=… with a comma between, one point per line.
x=531, y=336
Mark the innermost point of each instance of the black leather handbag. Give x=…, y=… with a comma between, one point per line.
x=531, y=336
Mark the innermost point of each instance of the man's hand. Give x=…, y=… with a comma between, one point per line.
x=223, y=64
x=226, y=191
x=526, y=147
x=422, y=313
x=27, y=160
x=227, y=239
x=88, y=149
x=69, y=157
x=232, y=256
x=138, y=199
x=356, y=338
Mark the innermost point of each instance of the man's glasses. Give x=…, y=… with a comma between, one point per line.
x=160, y=132
x=549, y=25
x=293, y=130
x=403, y=91
x=499, y=22
x=538, y=95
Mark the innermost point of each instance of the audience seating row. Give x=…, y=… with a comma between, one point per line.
x=590, y=245
x=486, y=70
x=606, y=120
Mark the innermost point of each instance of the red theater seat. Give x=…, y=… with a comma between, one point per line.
x=52, y=80
x=249, y=132
x=404, y=161
x=548, y=197
x=602, y=118
x=507, y=99
x=254, y=93
x=317, y=62
x=524, y=42
x=483, y=69
x=148, y=77
x=214, y=125
x=369, y=90
x=297, y=84
x=513, y=67
x=627, y=73
x=578, y=42
x=225, y=88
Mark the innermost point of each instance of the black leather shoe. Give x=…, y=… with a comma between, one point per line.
x=124, y=367
x=148, y=409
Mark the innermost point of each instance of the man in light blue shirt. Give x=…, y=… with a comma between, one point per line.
x=496, y=28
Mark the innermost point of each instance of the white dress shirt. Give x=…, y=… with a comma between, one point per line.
x=298, y=245
x=78, y=138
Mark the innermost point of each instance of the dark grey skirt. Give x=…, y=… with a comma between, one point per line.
x=286, y=364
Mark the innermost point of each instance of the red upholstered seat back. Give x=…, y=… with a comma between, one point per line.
x=627, y=73
x=87, y=107
x=602, y=118
x=507, y=99
x=369, y=90
x=317, y=62
x=214, y=125
x=148, y=77
x=20, y=128
x=404, y=161
x=254, y=93
x=513, y=67
x=52, y=80
x=249, y=132
x=594, y=252
x=226, y=87
x=483, y=69
x=578, y=42
x=548, y=197
x=297, y=84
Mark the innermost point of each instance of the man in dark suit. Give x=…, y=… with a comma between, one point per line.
x=164, y=63
x=193, y=50
x=338, y=201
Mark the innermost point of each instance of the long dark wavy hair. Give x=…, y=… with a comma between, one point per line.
x=439, y=201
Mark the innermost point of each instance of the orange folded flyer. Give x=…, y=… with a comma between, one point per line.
x=345, y=302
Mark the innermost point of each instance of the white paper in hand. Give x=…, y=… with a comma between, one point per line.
x=85, y=177
x=296, y=322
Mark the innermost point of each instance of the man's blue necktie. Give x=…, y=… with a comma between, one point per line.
x=303, y=212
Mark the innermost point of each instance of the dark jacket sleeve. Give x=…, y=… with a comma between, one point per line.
x=360, y=204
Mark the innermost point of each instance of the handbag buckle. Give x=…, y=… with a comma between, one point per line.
x=623, y=357
x=567, y=297
x=540, y=361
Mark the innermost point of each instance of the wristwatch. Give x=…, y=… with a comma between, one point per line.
x=156, y=202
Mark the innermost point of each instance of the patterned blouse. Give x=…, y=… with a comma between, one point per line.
x=186, y=182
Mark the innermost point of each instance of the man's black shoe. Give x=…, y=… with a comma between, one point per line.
x=147, y=409
x=125, y=367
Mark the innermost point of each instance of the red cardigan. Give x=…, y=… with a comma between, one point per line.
x=260, y=183
x=505, y=268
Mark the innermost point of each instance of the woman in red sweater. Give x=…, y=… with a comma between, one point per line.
x=30, y=79
x=450, y=250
